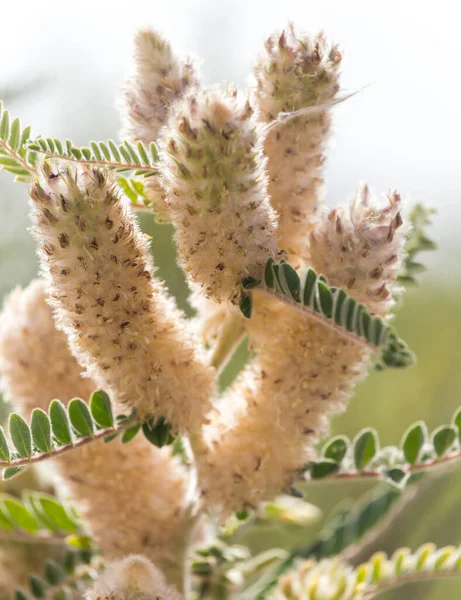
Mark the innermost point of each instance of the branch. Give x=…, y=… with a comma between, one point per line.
x=332, y=307
x=121, y=158
x=230, y=337
x=417, y=242
x=66, y=428
x=336, y=579
x=363, y=458
x=14, y=156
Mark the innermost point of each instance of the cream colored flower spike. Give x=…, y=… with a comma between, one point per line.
x=296, y=72
x=214, y=170
x=304, y=372
x=35, y=360
x=158, y=80
x=279, y=406
x=120, y=323
x=133, y=578
x=360, y=247
x=36, y=366
x=326, y=580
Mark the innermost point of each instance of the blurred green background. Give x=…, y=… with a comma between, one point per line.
x=402, y=132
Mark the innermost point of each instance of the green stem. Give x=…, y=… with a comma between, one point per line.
x=231, y=335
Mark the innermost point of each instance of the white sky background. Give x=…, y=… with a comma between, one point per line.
x=403, y=131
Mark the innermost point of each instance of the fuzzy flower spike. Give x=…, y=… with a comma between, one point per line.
x=159, y=79
x=279, y=406
x=133, y=578
x=121, y=325
x=359, y=245
x=214, y=170
x=296, y=72
x=98, y=474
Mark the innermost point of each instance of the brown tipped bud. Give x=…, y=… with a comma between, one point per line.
x=121, y=324
x=296, y=72
x=214, y=170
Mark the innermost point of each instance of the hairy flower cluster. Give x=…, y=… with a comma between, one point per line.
x=267, y=423
x=240, y=181
x=296, y=73
x=326, y=580
x=120, y=323
x=159, y=79
x=214, y=171
x=133, y=578
x=132, y=496
x=359, y=247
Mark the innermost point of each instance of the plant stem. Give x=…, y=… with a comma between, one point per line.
x=231, y=335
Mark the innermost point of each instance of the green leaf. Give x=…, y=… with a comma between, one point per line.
x=114, y=150
x=19, y=514
x=60, y=423
x=18, y=595
x=111, y=437
x=339, y=298
x=336, y=448
x=20, y=435
x=4, y=447
x=246, y=305
x=105, y=150
x=15, y=132
x=309, y=284
x=290, y=281
x=250, y=282
x=130, y=433
x=56, y=513
x=41, y=430
x=80, y=418
x=37, y=586
x=456, y=422
x=5, y=125
x=396, y=476
x=366, y=446
x=158, y=432
x=53, y=572
x=268, y=274
x=11, y=472
x=5, y=521
x=350, y=314
x=377, y=330
x=443, y=439
x=79, y=541
x=324, y=468
x=370, y=512
x=101, y=409
x=325, y=298
x=70, y=562
x=413, y=442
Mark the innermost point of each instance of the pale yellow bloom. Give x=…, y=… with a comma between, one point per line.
x=132, y=496
x=325, y=580
x=304, y=372
x=133, y=578
x=159, y=78
x=213, y=169
x=296, y=72
x=359, y=247
x=120, y=323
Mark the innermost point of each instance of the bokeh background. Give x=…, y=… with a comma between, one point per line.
x=61, y=68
